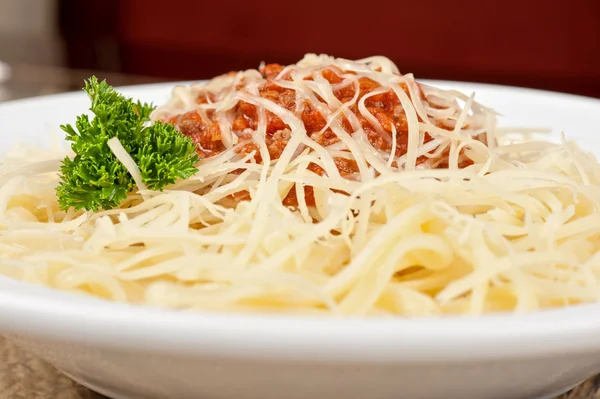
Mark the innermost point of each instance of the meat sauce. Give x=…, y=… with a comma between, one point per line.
x=206, y=134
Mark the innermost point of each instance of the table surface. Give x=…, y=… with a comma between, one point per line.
x=23, y=375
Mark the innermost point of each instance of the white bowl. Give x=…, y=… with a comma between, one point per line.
x=139, y=352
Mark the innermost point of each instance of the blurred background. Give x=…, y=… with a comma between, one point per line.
x=48, y=46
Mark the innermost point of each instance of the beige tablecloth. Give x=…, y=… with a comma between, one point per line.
x=22, y=376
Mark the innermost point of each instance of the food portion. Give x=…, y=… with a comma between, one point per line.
x=329, y=186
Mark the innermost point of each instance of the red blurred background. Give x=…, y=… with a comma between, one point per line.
x=544, y=44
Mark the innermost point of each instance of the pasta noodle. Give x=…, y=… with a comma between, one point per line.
x=463, y=221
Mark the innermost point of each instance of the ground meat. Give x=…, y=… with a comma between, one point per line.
x=206, y=135
x=385, y=107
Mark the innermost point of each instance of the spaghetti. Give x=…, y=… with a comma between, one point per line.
x=330, y=187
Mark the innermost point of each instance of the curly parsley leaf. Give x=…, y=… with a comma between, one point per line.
x=94, y=178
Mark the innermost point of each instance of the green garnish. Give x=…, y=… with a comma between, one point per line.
x=95, y=179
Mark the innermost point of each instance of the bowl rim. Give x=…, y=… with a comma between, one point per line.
x=137, y=89
x=47, y=314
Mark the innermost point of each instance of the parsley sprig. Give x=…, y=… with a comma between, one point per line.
x=94, y=178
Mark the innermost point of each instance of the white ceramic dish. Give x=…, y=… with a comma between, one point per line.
x=135, y=352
